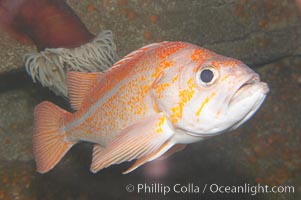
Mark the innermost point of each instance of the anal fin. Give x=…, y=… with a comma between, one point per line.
x=176, y=148
x=96, y=150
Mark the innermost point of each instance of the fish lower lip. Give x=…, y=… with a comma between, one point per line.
x=237, y=93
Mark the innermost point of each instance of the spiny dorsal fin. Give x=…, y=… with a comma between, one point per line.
x=135, y=54
x=79, y=85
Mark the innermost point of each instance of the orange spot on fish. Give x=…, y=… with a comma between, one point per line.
x=185, y=96
x=198, y=112
x=225, y=77
x=160, y=124
x=218, y=112
x=156, y=109
x=175, y=78
x=197, y=54
x=160, y=88
x=163, y=53
x=231, y=63
x=143, y=78
x=163, y=65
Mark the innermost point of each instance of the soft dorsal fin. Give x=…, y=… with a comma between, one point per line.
x=79, y=85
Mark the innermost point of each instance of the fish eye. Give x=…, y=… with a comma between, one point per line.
x=207, y=75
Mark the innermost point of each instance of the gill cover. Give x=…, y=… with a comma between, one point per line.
x=177, y=87
x=199, y=93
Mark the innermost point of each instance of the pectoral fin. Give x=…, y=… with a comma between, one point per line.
x=147, y=140
x=149, y=157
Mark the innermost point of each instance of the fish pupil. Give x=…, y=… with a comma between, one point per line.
x=206, y=75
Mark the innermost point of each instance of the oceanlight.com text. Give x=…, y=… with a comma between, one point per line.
x=191, y=188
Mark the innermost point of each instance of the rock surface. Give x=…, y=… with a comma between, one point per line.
x=265, y=150
x=11, y=53
x=257, y=31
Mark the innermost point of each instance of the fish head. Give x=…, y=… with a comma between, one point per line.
x=209, y=94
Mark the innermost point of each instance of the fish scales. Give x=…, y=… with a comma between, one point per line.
x=125, y=96
x=150, y=104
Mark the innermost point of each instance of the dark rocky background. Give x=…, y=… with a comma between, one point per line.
x=266, y=34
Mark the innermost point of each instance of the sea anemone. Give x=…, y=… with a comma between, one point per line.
x=63, y=41
x=51, y=65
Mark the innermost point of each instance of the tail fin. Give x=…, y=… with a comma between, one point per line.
x=49, y=142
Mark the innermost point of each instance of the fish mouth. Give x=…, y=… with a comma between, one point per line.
x=248, y=87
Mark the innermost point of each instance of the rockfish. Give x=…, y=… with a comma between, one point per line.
x=150, y=104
